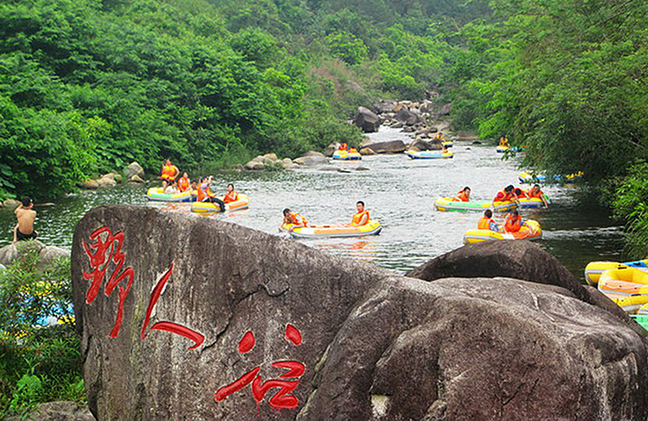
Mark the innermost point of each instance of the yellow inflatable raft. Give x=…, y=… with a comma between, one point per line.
x=627, y=287
x=331, y=231
x=530, y=231
x=348, y=155
x=593, y=270
x=157, y=194
x=204, y=207
x=446, y=204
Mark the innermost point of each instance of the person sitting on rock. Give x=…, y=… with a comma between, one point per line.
x=24, y=229
x=294, y=219
x=205, y=194
x=169, y=173
x=506, y=195
x=231, y=195
x=513, y=222
x=361, y=217
x=486, y=222
x=184, y=183
x=463, y=195
x=536, y=192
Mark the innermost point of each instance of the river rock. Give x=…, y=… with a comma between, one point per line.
x=136, y=179
x=468, y=136
x=311, y=158
x=113, y=176
x=514, y=259
x=134, y=169
x=49, y=255
x=106, y=182
x=288, y=164
x=57, y=411
x=330, y=149
x=367, y=120
x=407, y=117
x=360, y=342
x=384, y=106
x=11, y=203
x=11, y=252
x=271, y=156
x=392, y=146
x=367, y=151
x=427, y=145
x=89, y=185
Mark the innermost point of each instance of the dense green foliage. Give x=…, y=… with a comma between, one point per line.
x=37, y=364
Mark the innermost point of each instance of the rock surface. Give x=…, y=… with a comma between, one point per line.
x=514, y=259
x=11, y=203
x=134, y=169
x=374, y=344
x=46, y=254
x=392, y=146
x=57, y=411
x=89, y=184
x=367, y=120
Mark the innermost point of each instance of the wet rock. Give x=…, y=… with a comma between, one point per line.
x=89, y=185
x=476, y=142
x=384, y=106
x=57, y=411
x=11, y=203
x=106, y=182
x=367, y=151
x=13, y=251
x=427, y=145
x=407, y=117
x=311, y=158
x=134, y=169
x=365, y=142
x=271, y=156
x=362, y=169
x=136, y=179
x=392, y=146
x=468, y=136
x=374, y=344
x=367, y=120
x=515, y=259
x=330, y=149
x=344, y=170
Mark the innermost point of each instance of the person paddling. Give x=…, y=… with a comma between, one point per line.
x=24, y=229
x=361, y=217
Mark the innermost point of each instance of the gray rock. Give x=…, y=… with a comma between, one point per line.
x=311, y=158
x=89, y=185
x=50, y=254
x=11, y=203
x=407, y=117
x=106, y=182
x=330, y=149
x=11, y=252
x=134, y=169
x=469, y=136
x=392, y=146
x=374, y=344
x=367, y=120
x=57, y=411
x=271, y=156
x=136, y=179
x=427, y=145
x=514, y=259
x=384, y=106
x=367, y=151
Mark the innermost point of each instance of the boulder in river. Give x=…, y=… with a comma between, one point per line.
x=331, y=148
x=11, y=203
x=392, y=146
x=56, y=411
x=384, y=106
x=367, y=151
x=311, y=158
x=106, y=182
x=134, y=169
x=427, y=145
x=136, y=179
x=46, y=254
x=367, y=120
x=89, y=185
x=407, y=117
x=232, y=323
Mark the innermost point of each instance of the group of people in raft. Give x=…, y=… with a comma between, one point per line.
x=360, y=218
x=172, y=186
x=513, y=221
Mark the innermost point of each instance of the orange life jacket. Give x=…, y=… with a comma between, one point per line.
x=462, y=196
x=230, y=197
x=503, y=196
x=358, y=217
x=530, y=193
x=344, y=147
x=513, y=225
x=183, y=183
x=295, y=218
x=484, y=223
x=204, y=193
x=169, y=172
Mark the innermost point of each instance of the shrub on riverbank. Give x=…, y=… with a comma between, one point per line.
x=630, y=203
x=38, y=364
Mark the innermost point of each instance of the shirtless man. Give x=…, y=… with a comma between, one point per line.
x=24, y=229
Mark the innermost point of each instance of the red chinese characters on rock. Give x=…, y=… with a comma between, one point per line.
x=107, y=247
x=282, y=399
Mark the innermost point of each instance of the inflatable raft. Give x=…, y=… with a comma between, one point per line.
x=627, y=287
x=157, y=194
x=530, y=231
x=428, y=154
x=593, y=270
x=502, y=149
x=350, y=155
x=204, y=207
x=526, y=177
x=447, y=143
x=531, y=203
x=331, y=231
x=446, y=204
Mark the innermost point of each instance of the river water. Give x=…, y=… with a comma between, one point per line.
x=399, y=192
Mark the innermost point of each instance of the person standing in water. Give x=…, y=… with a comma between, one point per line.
x=24, y=229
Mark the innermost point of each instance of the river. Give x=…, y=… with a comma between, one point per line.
x=399, y=192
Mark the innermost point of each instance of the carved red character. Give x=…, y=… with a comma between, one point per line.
x=107, y=247
x=172, y=327
x=282, y=399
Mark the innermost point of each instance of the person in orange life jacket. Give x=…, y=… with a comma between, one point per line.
x=486, y=222
x=184, y=183
x=463, y=195
x=536, y=192
x=169, y=173
x=520, y=193
x=505, y=195
x=231, y=195
x=439, y=136
x=205, y=194
x=361, y=217
x=503, y=141
x=294, y=218
x=344, y=146
x=513, y=222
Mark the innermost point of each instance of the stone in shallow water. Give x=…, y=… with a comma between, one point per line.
x=451, y=349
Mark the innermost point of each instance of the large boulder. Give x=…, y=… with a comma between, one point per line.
x=89, y=184
x=50, y=254
x=134, y=169
x=311, y=158
x=384, y=106
x=232, y=323
x=331, y=148
x=106, y=182
x=11, y=203
x=427, y=144
x=406, y=116
x=392, y=146
x=367, y=120
x=514, y=259
x=56, y=411
x=11, y=252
